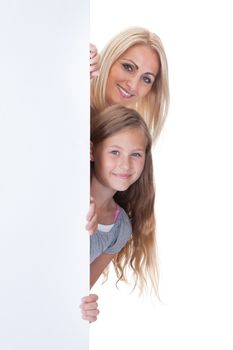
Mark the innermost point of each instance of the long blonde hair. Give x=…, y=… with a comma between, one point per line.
x=138, y=200
x=154, y=106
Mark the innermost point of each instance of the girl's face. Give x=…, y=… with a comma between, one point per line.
x=119, y=159
x=132, y=75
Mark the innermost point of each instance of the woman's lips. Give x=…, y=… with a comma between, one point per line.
x=124, y=93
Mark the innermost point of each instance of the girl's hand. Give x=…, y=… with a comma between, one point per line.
x=94, y=61
x=91, y=217
x=89, y=308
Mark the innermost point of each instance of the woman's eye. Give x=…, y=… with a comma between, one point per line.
x=115, y=152
x=147, y=80
x=127, y=67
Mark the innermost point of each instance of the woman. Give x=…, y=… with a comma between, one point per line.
x=132, y=71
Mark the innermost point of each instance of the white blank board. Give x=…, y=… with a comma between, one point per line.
x=44, y=173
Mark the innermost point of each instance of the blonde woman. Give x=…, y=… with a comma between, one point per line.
x=132, y=70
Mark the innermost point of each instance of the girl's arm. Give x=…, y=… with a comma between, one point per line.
x=89, y=306
x=98, y=266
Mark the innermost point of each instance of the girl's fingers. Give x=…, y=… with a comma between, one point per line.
x=90, y=319
x=92, y=222
x=91, y=212
x=89, y=308
x=92, y=225
x=90, y=298
x=90, y=313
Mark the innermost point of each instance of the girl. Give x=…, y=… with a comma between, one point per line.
x=132, y=71
x=123, y=189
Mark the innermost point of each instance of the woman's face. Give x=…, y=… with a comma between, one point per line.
x=132, y=75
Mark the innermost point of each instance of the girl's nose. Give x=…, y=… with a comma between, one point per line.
x=125, y=163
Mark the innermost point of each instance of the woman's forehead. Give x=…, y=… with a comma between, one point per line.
x=143, y=56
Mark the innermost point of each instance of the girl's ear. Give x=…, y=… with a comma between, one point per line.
x=91, y=151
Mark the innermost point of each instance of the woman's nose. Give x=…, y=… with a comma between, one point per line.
x=132, y=83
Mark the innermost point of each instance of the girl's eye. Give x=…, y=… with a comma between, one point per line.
x=147, y=80
x=128, y=67
x=115, y=152
x=137, y=155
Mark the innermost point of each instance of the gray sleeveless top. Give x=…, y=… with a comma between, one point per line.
x=113, y=241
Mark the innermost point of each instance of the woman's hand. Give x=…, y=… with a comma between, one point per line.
x=89, y=308
x=91, y=217
x=94, y=61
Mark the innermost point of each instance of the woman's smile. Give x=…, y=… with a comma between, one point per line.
x=124, y=92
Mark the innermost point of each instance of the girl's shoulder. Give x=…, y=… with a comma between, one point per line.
x=114, y=240
x=123, y=218
x=122, y=229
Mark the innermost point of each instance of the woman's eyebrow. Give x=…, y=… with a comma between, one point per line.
x=149, y=73
x=128, y=60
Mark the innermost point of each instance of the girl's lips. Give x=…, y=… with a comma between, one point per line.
x=122, y=176
x=124, y=93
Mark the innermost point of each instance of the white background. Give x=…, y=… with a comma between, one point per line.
x=193, y=172
x=44, y=167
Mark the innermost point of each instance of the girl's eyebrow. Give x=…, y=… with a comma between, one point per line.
x=115, y=146
x=149, y=73
x=134, y=150
x=138, y=150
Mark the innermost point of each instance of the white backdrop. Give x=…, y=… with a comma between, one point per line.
x=193, y=171
x=44, y=167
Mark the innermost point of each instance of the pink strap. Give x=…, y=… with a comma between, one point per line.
x=117, y=213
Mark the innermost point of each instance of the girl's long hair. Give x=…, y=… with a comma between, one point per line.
x=154, y=106
x=140, y=252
